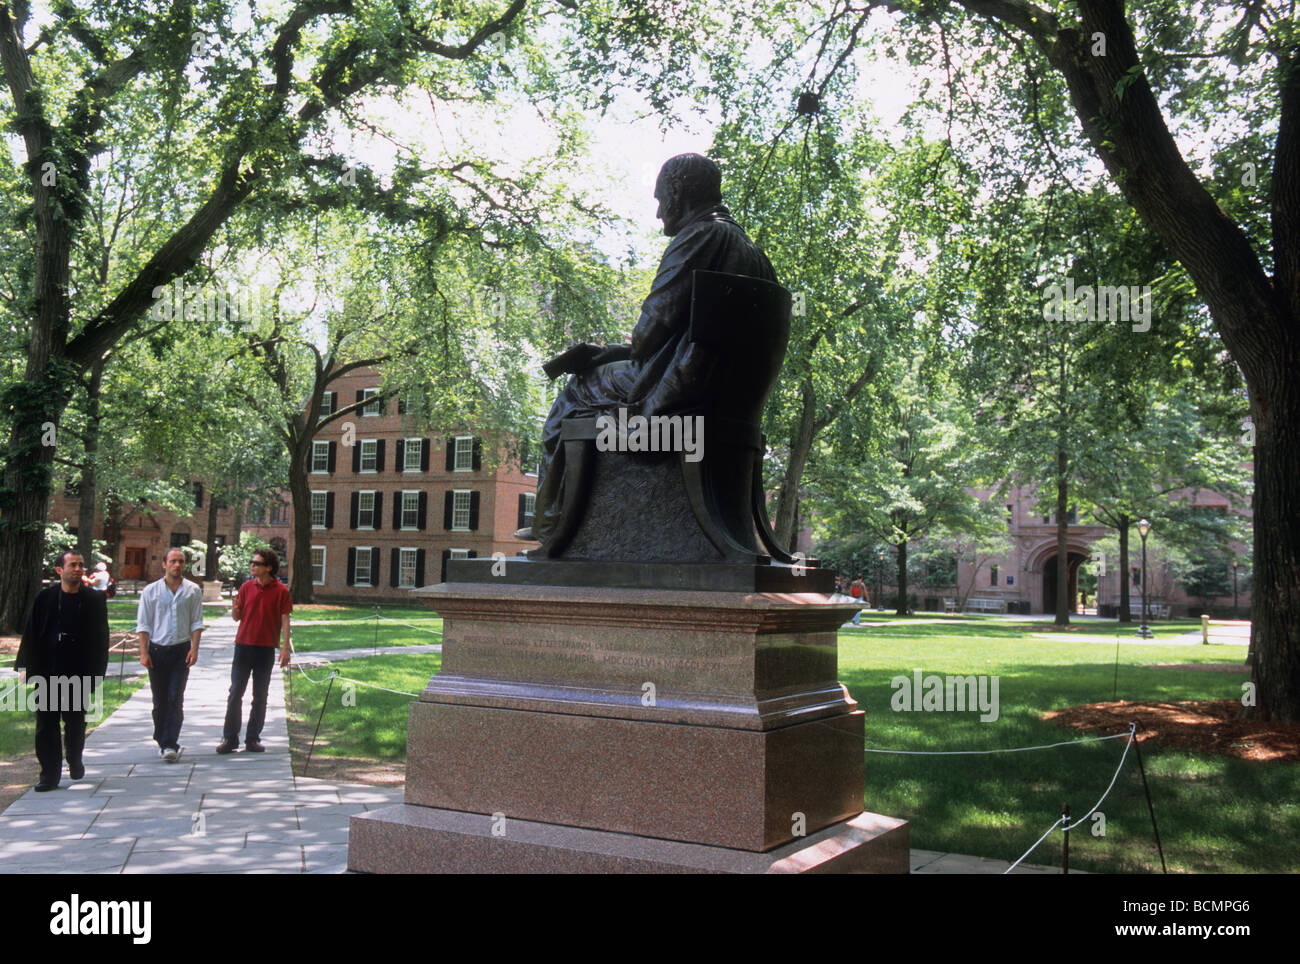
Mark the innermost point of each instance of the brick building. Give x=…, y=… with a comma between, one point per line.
x=389, y=510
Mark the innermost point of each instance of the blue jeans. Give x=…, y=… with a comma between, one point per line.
x=167, y=678
x=258, y=661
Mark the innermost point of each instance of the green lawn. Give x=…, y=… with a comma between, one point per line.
x=1215, y=814
x=18, y=729
x=356, y=629
x=122, y=613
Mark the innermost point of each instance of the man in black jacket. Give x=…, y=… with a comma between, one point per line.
x=65, y=653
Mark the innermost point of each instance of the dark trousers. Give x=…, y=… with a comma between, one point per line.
x=167, y=678
x=49, y=748
x=258, y=661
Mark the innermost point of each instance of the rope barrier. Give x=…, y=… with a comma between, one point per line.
x=432, y=632
x=348, y=679
x=1013, y=749
x=1132, y=735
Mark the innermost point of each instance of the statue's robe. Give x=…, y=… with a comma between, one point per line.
x=665, y=374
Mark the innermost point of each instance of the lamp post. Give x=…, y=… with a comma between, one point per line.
x=880, y=582
x=1144, y=527
x=1235, y=564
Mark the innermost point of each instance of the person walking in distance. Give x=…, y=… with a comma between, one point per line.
x=169, y=621
x=262, y=607
x=858, y=590
x=64, y=652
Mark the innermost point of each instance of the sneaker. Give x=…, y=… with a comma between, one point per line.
x=227, y=746
x=76, y=770
x=171, y=754
x=162, y=752
x=252, y=746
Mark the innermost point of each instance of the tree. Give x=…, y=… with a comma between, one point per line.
x=1242, y=255
x=202, y=113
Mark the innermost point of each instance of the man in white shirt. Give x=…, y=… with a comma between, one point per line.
x=169, y=622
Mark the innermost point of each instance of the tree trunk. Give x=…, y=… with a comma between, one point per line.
x=1062, y=549
x=1275, y=601
x=300, y=587
x=87, y=497
x=210, y=536
x=801, y=439
x=1125, y=615
x=901, y=608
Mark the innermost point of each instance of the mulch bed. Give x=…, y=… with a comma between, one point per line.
x=1204, y=726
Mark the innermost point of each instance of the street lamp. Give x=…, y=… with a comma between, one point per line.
x=1144, y=527
x=880, y=583
x=1235, y=564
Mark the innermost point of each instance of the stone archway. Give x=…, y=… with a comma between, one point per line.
x=1040, y=564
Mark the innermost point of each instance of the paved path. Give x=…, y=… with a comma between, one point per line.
x=242, y=813
x=134, y=813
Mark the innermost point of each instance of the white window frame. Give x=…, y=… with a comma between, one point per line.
x=530, y=508
x=456, y=510
x=326, y=409
x=324, y=509
x=374, y=455
x=323, y=554
x=415, y=510
x=320, y=450
x=402, y=582
x=370, y=567
x=360, y=495
x=468, y=451
x=418, y=443
x=458, y=554
x=369, y=409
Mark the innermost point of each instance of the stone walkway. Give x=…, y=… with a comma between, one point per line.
x=135, y=813
x=241, y=813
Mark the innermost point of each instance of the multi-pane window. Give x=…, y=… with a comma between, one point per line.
x=326, y=404
x=530, y=507
x=361, y=570
x=369, y=455
x=993, y=577
x=318, y=501
x=460, y=503
x=411, y=510
x=370, y=408
x=318, y=565
x=366, y=510
x=414, y=451
x=406, y=569
x=459, y=554
x=279, y=514
x=320, y=456
x=464, y=459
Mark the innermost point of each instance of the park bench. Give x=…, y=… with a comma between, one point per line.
x=986, y=604
x=1156, y=610
x=949, y=605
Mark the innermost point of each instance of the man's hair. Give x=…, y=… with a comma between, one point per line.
x=270, y=558
x=169, y=552
x=693, y=177
x=63, y=558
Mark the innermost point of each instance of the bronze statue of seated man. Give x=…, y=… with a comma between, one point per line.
x=661, y=372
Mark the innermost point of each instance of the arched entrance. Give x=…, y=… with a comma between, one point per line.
x=1074, y=559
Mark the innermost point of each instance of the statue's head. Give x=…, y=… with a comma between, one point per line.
x=686, y=182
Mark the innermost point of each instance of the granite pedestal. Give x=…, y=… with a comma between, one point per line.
x=579, y=728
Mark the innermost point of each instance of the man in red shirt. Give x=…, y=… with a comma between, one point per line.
x=261, y=608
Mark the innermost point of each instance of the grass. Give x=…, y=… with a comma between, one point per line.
x=19, y=728
x=122, y=613
x=1215, y=814
x=405, y=627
